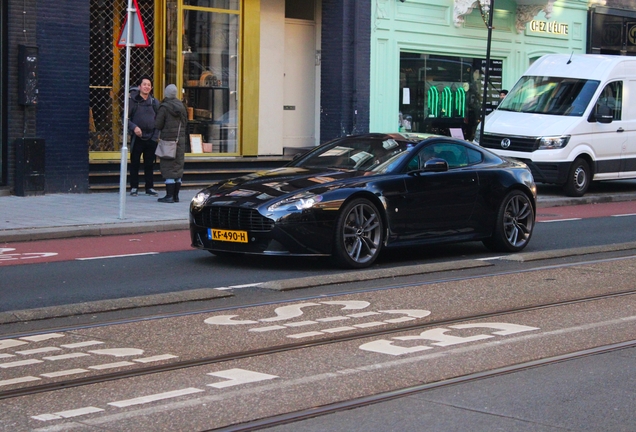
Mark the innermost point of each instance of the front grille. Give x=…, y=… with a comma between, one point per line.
x=233, y=218
x=521, y=144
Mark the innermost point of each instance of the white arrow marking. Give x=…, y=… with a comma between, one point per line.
x=155, y=397
x=119, y=352
x=386, y=347
x=288, y=312
x=506, y=329
x=349, y=305
x=19, y=380
x=414, y=313
x=43, y=337
x=239, y=376
x=20, y=363
x=227, y=320
x=442, y=338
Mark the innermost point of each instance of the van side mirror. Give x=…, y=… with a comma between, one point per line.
x=604, y=114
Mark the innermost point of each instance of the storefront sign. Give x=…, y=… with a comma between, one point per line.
x=549, y=28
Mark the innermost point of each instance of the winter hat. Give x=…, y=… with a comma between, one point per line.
x=170, y=91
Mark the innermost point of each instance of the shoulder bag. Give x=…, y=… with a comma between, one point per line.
x=168, y=149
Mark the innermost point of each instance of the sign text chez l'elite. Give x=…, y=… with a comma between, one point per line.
x=549, y=28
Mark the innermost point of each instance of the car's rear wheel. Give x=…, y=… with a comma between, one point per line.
x=358, y=236
x=515, y=222
x=579, y=178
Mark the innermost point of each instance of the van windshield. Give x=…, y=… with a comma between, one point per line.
x=550, y=95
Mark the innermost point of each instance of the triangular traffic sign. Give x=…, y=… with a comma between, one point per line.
x=138, y=36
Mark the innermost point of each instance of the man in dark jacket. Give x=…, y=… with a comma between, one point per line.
x=142, y=110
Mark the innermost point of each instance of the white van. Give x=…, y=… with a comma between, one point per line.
x=571, y=119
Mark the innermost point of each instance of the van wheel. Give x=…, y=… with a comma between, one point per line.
x=579, y=178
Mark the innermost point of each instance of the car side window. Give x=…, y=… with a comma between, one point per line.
x=456, y=155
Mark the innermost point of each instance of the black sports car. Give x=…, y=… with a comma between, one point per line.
x=353, y=196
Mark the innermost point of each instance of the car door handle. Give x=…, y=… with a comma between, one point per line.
x=620, y=130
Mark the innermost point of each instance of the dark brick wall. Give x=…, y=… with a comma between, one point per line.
x=345, y=68
x=63, y=36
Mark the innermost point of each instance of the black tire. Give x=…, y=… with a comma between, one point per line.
x=515, y=223
x=358, y=236
x=579, y=178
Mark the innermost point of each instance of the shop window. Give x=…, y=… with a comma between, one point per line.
x=217, y=4
x=439, y=93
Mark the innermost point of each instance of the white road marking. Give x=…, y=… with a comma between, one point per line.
x=38, y=350
x=6, y=356
x=20, y=363
x=304, y=335
x=155, y=358
x=266, y=329
x=623, y=215
x=348, y=305
x=10, y=343
x=300, y=323
x=119, y=352
x=82, y=344
x=414, y=313
x=338, y=329
x=64, y=373
x=370, y=324
x=116, y=256
x=363, y=314
x=65, y=356
x=399, y=320
x=155, y=397
x=560, y=220
x=111, y=365
x=335, y=318
x=227, y=320
x=43, y=337
x=19, y=380
x=288, y=312
x=67, y=414
x=239, y=376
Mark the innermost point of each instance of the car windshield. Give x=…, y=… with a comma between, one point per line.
x=376, y=155
x=550, y=95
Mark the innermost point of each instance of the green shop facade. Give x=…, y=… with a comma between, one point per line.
x=428, y=57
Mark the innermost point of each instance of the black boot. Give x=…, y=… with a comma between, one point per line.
x=169, y=194
x=177, y=186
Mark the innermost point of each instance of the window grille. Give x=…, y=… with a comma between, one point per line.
x=108, y=69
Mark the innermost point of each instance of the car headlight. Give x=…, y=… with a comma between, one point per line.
x=199, y=200
x=297, y=202
x=553, y=143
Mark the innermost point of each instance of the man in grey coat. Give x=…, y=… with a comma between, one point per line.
x=172, y=121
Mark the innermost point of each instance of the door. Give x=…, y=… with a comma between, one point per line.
x=610, y=138
x=628, y=154
x=299, y=98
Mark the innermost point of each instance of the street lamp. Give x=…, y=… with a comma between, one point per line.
x=487, y=12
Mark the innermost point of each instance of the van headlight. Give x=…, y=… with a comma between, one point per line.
x=553, y=143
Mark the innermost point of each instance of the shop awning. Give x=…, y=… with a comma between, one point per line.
x=526, y=10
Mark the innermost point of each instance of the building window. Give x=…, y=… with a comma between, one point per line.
x=439, y=93
x=299, y=9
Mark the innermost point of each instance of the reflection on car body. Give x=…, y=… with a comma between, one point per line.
x=353, y=196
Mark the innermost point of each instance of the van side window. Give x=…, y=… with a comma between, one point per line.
x=611, y=100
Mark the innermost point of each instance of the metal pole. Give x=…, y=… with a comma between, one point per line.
x=124, y=146
x=491, y=12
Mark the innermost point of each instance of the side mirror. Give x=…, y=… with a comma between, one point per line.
x=604, y=114
x=435, y=165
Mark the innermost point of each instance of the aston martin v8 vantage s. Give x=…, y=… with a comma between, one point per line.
x=354, y=196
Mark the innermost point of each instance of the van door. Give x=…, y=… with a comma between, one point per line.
x=628, y=153
x=609, y=138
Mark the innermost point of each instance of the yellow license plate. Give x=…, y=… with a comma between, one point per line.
x=228, y=235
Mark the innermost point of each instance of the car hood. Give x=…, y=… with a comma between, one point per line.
x=502, y=122
x=263, y=187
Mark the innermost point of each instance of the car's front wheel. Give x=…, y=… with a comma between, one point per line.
x=358, y=236
x=515, y=222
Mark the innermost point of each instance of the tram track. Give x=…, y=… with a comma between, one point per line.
x=281, y=348
x=318, y=411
